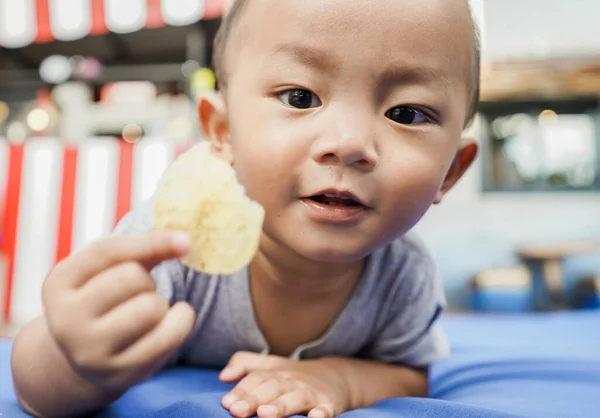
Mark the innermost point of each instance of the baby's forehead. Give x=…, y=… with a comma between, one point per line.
x=351, y=20
x=395, y=31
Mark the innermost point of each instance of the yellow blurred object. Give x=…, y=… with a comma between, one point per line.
x=38, y=120
x=4, y=112
x=548, y=113
x=132, y=133
x=202, y=81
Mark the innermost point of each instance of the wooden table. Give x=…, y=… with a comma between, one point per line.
x=551, y=255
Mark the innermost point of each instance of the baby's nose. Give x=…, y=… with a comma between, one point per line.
x=348, y=148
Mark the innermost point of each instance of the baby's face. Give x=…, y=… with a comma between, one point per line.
x=350, y=98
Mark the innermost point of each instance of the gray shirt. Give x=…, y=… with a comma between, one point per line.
x=391, y=316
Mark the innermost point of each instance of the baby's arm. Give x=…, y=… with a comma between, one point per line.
x=410, y=337
x=46, y=385
x=105, y=328
x=370, y=382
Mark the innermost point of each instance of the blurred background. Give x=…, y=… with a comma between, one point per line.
x=97, y=97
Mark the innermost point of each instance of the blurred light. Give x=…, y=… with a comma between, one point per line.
x=498, y=128
x=125, y=16
x=55, y=69
x=16, y=132
x=88, y=69
x=71, y=94
x=129, y=93
x=4, y=112
x=38, y=119
x=132, y=133
x=189, y=67
x=548, y=113
x=202, y=81
x=182, y=12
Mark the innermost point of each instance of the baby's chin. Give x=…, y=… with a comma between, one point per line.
x=337, y=252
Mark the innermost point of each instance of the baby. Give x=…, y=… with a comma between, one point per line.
x=344, y=120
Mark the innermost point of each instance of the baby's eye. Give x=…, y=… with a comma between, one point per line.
x=300, y=98
x=405, y=115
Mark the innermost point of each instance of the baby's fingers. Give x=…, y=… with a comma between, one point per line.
x=322, y=411
x=254, y=390
x=298, y=402
x=164, y=339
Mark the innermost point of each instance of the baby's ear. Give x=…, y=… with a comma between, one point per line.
x=463, y=159
x=212, y=115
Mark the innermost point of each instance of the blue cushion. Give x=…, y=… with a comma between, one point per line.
x=534, y=365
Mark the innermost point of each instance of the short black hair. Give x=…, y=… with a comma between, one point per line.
x=222, y=39
x=232, y=17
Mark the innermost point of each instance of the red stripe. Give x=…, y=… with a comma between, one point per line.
x=11, y=217
x=44, y=33
x=125, y=179
x=98, y=18
x=155, y=17
x=213, y=9
x=67, y=204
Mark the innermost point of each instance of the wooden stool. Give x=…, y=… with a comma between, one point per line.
x=502, y=289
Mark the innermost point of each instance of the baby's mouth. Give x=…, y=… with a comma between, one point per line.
x=335, y=200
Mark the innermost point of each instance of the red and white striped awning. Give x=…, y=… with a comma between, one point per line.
x=23, y=22
x=58, y=199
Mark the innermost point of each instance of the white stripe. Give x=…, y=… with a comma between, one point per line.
x=37, y=226
x=95, y=193
x=124, y=16
x=151, y=158
x=182, y=12
x=18, y=23
x=70, y=20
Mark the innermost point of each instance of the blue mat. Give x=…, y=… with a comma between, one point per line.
x=522, y=365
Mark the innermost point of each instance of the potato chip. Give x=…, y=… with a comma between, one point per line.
x=199, y=194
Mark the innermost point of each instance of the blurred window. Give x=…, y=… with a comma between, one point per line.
x=553, y=146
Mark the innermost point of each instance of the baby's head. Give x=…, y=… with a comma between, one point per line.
x=344, y=118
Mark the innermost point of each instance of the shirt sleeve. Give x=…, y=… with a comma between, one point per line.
x=170, y=275
x=410, y=332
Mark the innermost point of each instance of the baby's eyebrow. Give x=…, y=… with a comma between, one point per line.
x=406, y=74
x=310, y=57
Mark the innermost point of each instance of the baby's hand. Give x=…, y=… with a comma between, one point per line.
x=277, y=387
x=104, y=314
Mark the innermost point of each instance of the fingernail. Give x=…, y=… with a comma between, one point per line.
x=268, y=411
x=229, y=400
x=227, y=374
x=182, y=241
x=240, y=408
x=316, y=413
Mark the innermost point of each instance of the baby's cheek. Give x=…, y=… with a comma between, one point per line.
x=413, y=189
x=262, y=181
